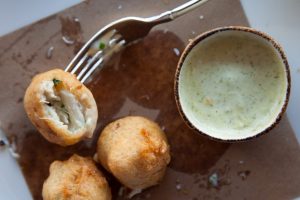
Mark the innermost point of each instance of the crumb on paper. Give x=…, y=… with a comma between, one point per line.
x=67, y=40
x=76, y=19
x=49, y=52
x=120, y=7
x=178, y=186
x=201, y=17
x=244, y=174
x=176, y=51
x=193, y=33
x=14, y=153
x=241, y=162
x=13, y=148
x=214, y=180
x=145, y=97
x=166, y=31
x=134, y=192
x=121, y=191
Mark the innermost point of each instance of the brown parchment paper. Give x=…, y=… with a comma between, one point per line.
x=139, y=81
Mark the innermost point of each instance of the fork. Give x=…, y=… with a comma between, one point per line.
x=115, y=35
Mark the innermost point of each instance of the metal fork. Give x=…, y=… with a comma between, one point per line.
x=115, y=35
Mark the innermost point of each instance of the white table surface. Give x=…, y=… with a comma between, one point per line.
x=279, y=18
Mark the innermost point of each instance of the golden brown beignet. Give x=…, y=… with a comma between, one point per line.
x=135, y=150
x=61, y=108
x=77, y=178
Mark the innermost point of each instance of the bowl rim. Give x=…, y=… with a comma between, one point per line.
x=209, y=33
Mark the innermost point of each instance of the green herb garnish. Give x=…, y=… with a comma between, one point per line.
x=101, y=45
x=56, y=81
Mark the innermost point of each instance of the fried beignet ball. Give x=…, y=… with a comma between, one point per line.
x=61, y=107
x=135, y=150
x=75, y=179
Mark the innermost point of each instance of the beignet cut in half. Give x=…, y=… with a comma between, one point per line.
x=75, y=179
x=135, y=150
x=62, y=109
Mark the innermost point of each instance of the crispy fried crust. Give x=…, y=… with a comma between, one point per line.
x=77, y=178
x=135, y=151
x=48, y=128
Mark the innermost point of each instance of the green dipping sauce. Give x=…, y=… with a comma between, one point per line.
x=232, y=84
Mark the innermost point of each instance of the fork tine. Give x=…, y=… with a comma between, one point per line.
x=84, y=64
x=115, y=39
x=92, y=69
x=74, y=65
x=79, y=64
x=120, y=44
x=89, y=63
x=76, y=62
x=113, y=49
x=112, y=37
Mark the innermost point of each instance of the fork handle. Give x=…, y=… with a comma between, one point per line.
x=179, y=11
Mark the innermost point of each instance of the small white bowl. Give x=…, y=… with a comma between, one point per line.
x=232, y=83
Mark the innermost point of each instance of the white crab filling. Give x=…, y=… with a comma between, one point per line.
x=62, y=107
